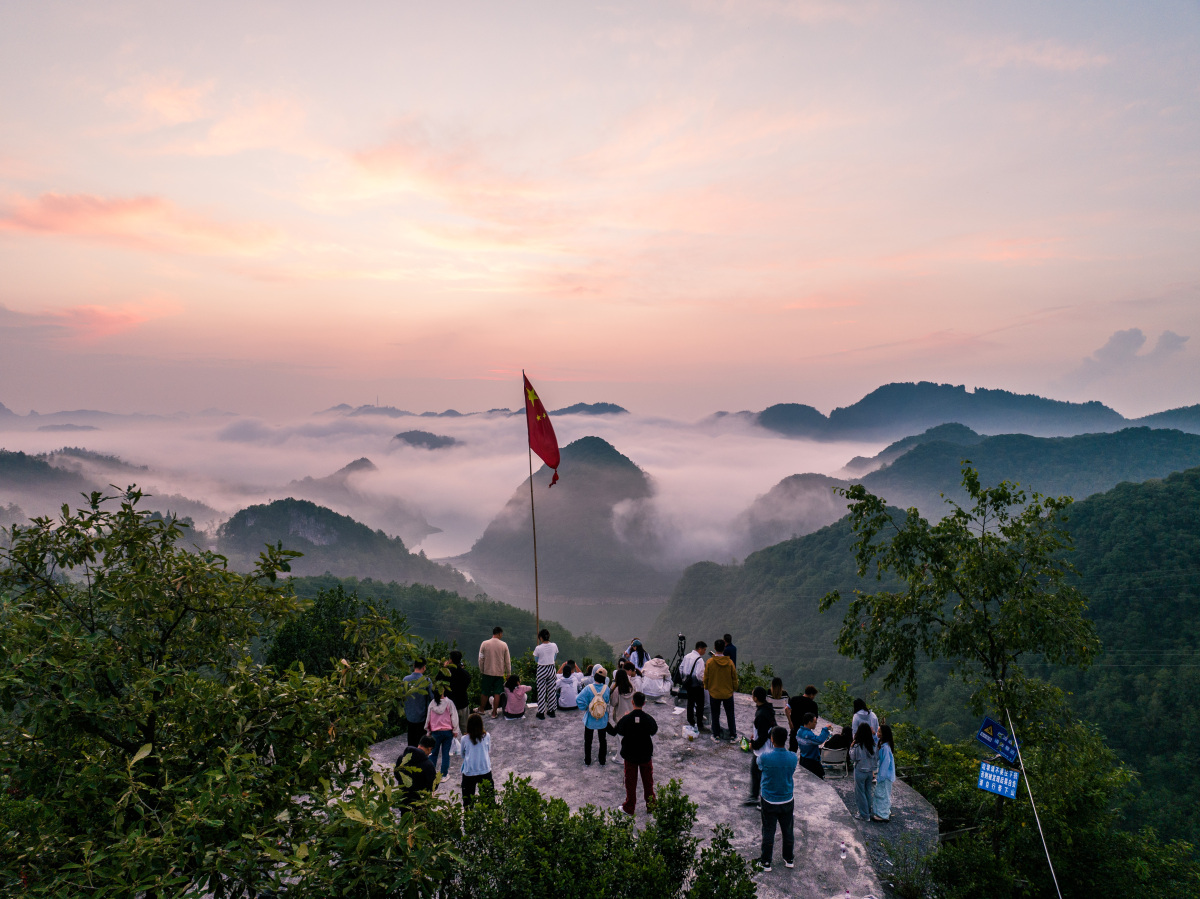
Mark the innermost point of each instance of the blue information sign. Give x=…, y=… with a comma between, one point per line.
x=995, y=737
x=1000, y=781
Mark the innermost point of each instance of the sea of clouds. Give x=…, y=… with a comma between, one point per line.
x=704, y=473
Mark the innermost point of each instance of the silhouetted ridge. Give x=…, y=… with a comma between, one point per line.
x=591, y=409
x=425, y=440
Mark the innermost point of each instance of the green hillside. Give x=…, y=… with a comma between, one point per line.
x=441, y=615
x=1060, y=466
x=1137, y=551
x=331, y=543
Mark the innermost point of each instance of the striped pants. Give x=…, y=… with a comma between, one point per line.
x=547, y=694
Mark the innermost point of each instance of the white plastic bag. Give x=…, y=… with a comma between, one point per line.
x=456, y=746
x=690, y=732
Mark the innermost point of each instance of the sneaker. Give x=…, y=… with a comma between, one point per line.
x=788, y=864
x=753, y=800
x=766, y=867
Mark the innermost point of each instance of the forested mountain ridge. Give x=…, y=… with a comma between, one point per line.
x=921, y=470
x=1137, y=553
x=895, y=410
x=331, y=543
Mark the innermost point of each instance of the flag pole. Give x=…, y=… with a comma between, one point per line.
x=537, y=614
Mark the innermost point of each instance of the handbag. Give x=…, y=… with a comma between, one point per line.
x=456, y=746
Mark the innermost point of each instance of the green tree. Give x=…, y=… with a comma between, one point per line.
x=985, y=589
x=143, y=751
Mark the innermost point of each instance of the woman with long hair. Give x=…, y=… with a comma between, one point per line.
x=441, y=723
x=885, y=777
x=476, y=759
x=862, y=752
x=863, y=715
x=622, y=699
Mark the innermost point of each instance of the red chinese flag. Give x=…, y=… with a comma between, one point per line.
x=541, y=433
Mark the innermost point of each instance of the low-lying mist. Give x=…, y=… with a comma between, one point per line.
x=705, y=474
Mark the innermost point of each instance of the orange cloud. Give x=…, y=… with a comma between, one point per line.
x=86, y=323
x=164, y=99
x=142, y=223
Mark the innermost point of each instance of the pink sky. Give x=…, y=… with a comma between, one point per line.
x=679, y=207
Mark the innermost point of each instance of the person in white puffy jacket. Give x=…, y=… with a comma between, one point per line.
x=656, y=678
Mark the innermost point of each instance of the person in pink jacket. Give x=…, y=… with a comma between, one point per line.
x=441, y=722
x=514, y=697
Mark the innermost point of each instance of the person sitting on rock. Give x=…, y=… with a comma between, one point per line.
x=568, y=684
x=514, y=697
x=810, y=744
x=656, y=678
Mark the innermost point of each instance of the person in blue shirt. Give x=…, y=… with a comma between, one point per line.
x=476, y=759
x=885, y=776
x=778, y=805
x=810, y=742
x=416, y=704
x=593, y=725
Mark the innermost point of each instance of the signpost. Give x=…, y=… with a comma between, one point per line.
x=998, y=780
x=995, y=737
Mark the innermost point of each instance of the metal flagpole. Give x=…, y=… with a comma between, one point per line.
x=537, y=614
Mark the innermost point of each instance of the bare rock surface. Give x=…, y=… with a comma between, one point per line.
x=714, y=775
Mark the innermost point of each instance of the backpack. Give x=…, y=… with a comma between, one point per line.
x=597, y=708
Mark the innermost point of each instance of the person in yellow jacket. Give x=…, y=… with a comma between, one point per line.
x=720, y=680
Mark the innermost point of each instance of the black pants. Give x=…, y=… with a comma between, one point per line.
x=695, y=705
x=415, y=732
x=714, y=706
x=755, y=776
x=783, y=814
x=470, y=782
x=793, y=745
x=587, y=745
x=813, y=765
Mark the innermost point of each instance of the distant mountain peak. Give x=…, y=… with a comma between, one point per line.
x=426, y=440
x=591, y=409
x=363, y=464
x=595, y=451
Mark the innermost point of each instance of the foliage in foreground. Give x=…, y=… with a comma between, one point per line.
x=988, y=590
x=143, y=752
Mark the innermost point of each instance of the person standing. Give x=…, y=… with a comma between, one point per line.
x=441, y=723
x=415, y=764
x=863, y=715
x=621, y=696
x=778, y=697
x=691, y=673
x=798, y=707
x=730, y=649
x=720, y=680
x=862, y=752
x=764, y=724
x=810, y=744
x=594, y=699
x=476, y=759
x=495, y=665
x=778, y=801
x=457, y=687
x=545, y=654
x=636, y=731
x=417, y=702
x=885, y=776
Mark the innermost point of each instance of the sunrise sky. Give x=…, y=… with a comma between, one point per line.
x=678, y=207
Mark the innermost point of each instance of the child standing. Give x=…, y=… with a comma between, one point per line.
x=477, y=759
x=547, y=695
x=862, y=751
x=885, y=776
x=594, y=699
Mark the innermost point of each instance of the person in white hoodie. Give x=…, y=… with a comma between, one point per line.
x=656, y=678
x=568, y=684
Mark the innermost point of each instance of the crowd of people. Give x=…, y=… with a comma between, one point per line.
x=783, y=734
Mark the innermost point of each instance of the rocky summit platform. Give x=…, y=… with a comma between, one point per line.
x=717, y=777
